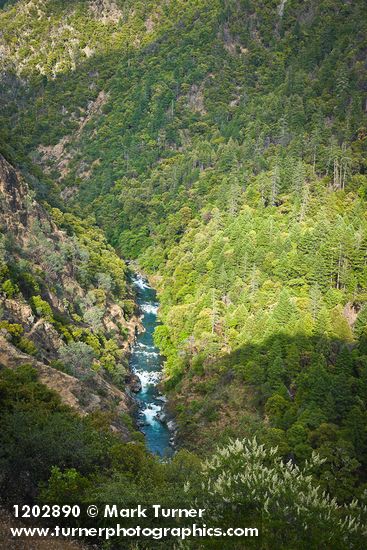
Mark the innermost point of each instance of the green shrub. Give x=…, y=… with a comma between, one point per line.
x=68, y=486
x=41, y=308
x=59, y=365
x=28, y=283
x=14, y=329
x=4, y=270
x=78, y=357
x=9, y=288
x=27, y=346
x=34, y=424
x=253, y=481
x=22, y=342
x=138, y=436
x=64, y=331
x=124, y=331
x=129, y=307
x=127, y=420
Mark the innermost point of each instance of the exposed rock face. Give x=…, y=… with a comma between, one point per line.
x=35, y=238
x=105, y=10
x=19, y=211
x=351, y=313
x=22, y=218
x=134, y=382
x=46, y=339
x=16, y=310
x=196, y=99
x=59, y=156
x=84, y=396
x=13, y=207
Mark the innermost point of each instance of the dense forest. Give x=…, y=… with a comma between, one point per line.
x=221, y=146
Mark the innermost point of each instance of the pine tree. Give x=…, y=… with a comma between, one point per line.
x=275, y=185
x=284, y=311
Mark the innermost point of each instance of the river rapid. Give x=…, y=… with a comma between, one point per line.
x=146, y=363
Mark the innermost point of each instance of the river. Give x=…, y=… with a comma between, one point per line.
x=146, y=363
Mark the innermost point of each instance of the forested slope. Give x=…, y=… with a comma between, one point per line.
x=223, y=145
x=172, y=106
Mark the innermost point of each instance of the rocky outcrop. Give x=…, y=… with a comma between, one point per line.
x=37, y=241
x=15, y=198
x=46, y=339
x=60, y=155
x=105, y=10
x=17, y=311
x=85, y=396
x=133, y=382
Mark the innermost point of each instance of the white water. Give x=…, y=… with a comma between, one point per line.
x=146, y=363
x=150, y=308
x=140, y=282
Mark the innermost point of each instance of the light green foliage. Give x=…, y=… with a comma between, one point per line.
x=64, y=486
x=41, y=308
x=27, y=346
x=279, y=298
x=247, y=476
x=14, y=329
x=95, y=261
x=16, y=332
x=276, y=254
x=78, y=358
x=9, y=288
x=93, y=317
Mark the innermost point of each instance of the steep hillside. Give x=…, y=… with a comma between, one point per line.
x=149, y=114
x=62, y=302
x=223, y=145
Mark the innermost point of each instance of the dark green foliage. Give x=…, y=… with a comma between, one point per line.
x=33, y=438
x=223, y=144
x=34, y=424
x=313, y=409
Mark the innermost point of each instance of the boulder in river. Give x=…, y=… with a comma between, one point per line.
x=161, y=417
x=162, y=398
x=133, y=381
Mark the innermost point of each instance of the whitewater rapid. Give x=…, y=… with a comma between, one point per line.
x=146, y=363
